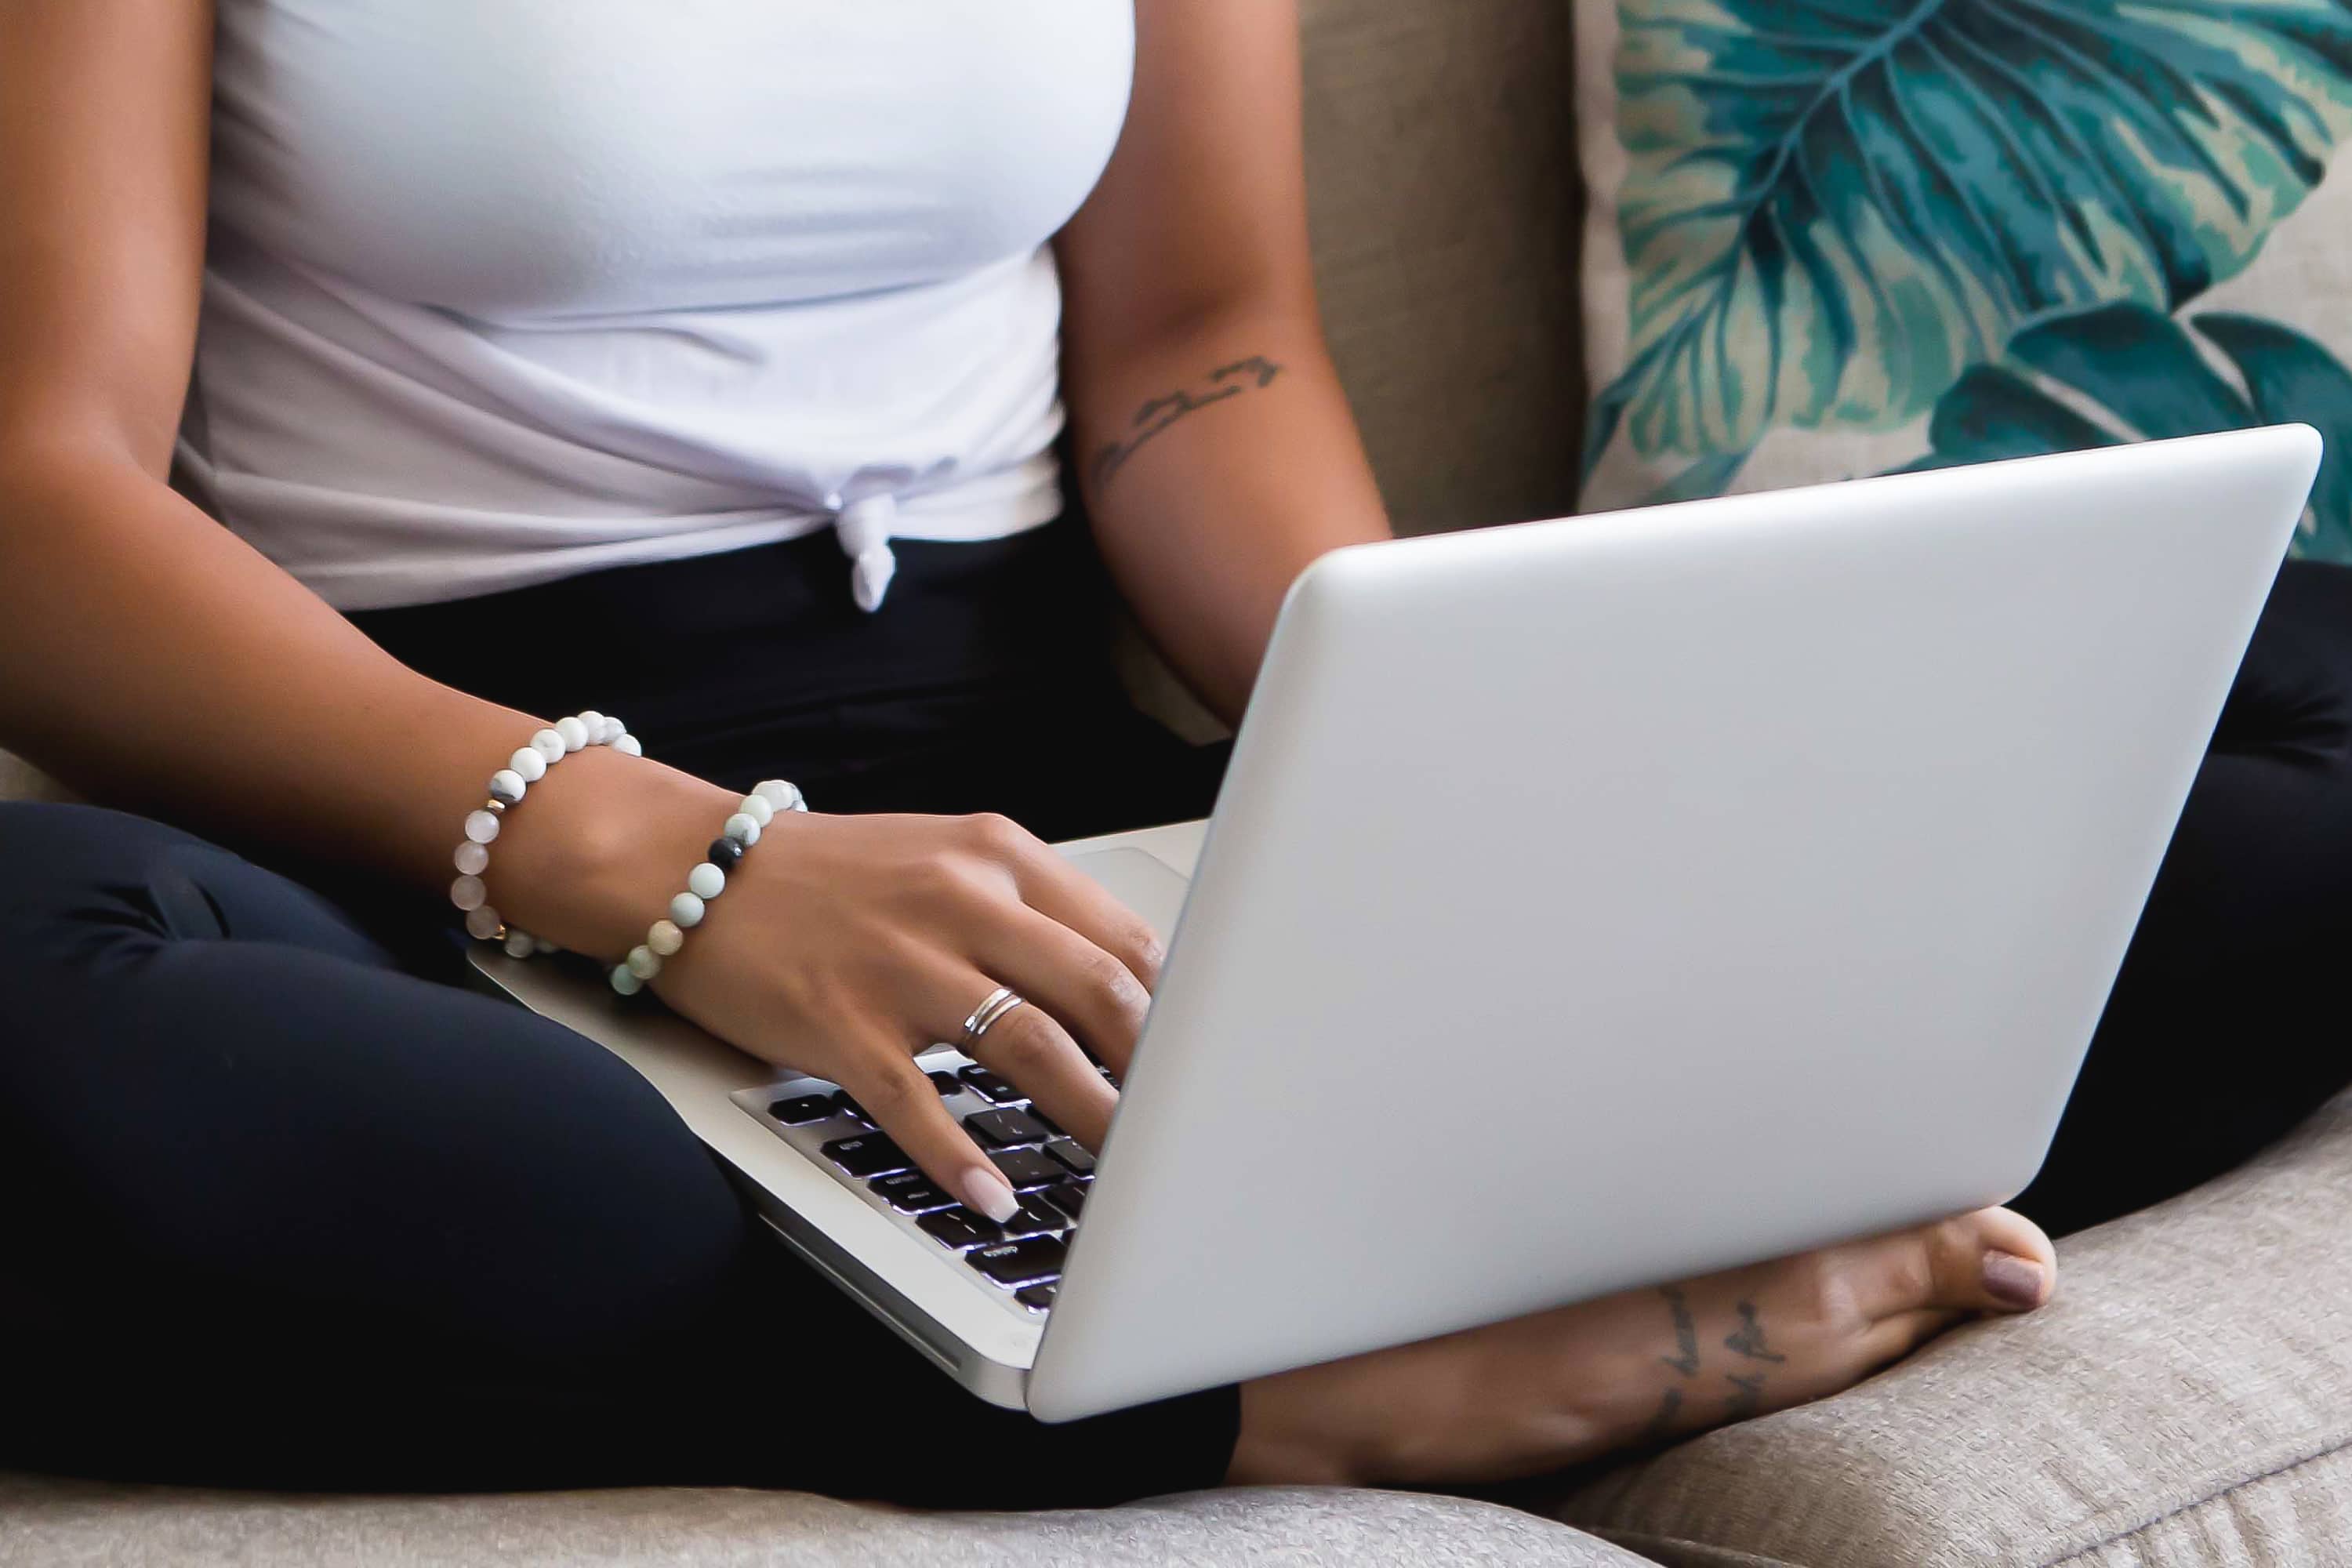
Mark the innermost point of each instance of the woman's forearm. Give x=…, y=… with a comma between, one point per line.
x=151, y=659
x=1216, y=463
x=148, y=657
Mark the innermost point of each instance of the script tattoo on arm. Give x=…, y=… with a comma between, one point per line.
x=1748, y=1338
x=1686, y=1357
x=1749, y=1400
x=1252, y=374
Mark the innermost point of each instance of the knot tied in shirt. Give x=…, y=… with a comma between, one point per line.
x=864, y=529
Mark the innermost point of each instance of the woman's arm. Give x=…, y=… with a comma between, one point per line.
x=1216, y=452
x=148, y=656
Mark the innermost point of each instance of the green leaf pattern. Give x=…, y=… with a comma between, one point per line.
x=1837, y=212
x=2125, y=372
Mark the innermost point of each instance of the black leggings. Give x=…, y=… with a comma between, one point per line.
x=289, y=1210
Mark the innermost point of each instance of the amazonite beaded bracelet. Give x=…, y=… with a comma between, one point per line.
x=705, y=882
x=506, y=788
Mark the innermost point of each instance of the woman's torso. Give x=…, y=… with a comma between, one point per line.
x=498, y=293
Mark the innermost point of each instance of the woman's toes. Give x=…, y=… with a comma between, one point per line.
x=1991, y=1261
x=2016, y=1283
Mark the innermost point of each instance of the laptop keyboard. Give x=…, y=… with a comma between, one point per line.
x=1019, y=1259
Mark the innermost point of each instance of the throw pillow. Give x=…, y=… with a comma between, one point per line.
x=1831, y=238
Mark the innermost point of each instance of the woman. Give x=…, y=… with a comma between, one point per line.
x=706, y=370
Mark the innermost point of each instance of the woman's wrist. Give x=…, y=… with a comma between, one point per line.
x=590, y=857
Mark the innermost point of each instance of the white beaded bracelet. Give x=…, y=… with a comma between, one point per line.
x=507, y=787
x=705, y=882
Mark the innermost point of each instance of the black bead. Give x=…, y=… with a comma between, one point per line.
x=725, y=852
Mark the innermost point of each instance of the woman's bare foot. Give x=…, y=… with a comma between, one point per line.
x=1645, y=1367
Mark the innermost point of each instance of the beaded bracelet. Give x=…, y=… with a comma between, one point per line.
x=507, y=787
x=705, y=882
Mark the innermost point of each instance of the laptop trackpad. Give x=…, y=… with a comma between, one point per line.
x=1142, y=883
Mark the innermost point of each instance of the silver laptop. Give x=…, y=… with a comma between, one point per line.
x=1590, y=903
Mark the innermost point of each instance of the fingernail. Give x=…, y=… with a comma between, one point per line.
x=989, y=1193
x=2012, y=1280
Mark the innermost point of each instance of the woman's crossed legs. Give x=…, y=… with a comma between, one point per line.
x=289, y=1216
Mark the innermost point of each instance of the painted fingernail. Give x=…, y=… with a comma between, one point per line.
x=989, y=1193
x=2012, y=1280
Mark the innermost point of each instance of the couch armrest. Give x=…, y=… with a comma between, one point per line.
x=20, y=780
x=2185, y=1399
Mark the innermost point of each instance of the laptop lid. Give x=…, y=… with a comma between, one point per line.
x=1609, y=901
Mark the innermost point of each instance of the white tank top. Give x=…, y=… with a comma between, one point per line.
x=499, y=291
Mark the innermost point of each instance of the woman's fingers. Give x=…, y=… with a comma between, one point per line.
x=1090, y=992
x=1060, y=891
x=1031, y=1049
x=903, y=1103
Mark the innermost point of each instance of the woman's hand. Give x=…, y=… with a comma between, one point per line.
x=843, y=945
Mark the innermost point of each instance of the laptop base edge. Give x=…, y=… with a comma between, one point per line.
x=996, y=1382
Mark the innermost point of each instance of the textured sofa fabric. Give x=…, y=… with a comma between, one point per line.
x=2187, y=1400
x=1445, y=201
x=74, y=1526
x=19, y=780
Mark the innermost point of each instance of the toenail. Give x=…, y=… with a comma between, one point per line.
x=2012, y=1280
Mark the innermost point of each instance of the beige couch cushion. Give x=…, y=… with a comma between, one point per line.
x=2186, y=1399
x=19, y=780
x=1441, y=143
x=70, y=1525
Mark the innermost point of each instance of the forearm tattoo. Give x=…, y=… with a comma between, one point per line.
x=1252, y=374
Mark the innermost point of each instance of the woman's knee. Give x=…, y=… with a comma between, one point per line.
x=309, y=1152
x=2292, y=699
x=86, y=884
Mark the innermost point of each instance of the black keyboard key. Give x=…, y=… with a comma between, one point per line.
x=867, y=1155
x=1035, y=1218
x=1048, y=1123
x=1072, y=1155
x=1024, y=1167
x=801, y=1111
x=847, y=1106
x=910, y=1192
x=987, y=1085
x=960, y=1227
x=1070, y=1197
x=1005, y=1126
x=945, y=1082
x=1020, y=1262
x=1038, y=1298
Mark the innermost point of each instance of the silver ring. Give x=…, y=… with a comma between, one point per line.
x=993, y=1007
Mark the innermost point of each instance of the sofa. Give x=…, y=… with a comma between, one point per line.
x=2186, y=1399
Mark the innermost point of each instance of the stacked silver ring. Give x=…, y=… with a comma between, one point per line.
x=994, y=1005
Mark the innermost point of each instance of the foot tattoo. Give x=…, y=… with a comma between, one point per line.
x=1661, y=1429
x=1748, y=1338
x=1686, y=1357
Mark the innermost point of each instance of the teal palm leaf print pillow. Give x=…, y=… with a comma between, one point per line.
x=1839, y=237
